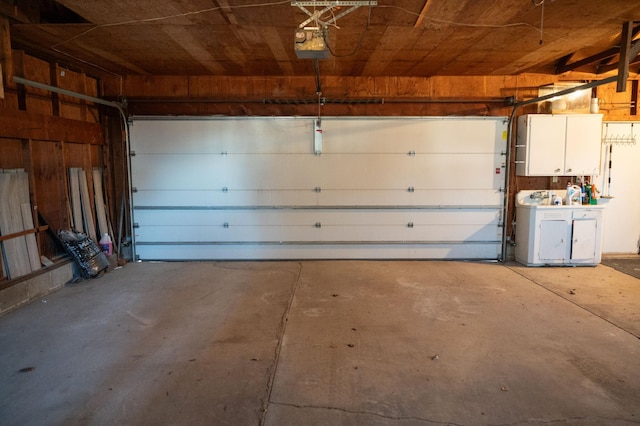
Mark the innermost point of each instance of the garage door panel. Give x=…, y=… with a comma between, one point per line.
x=310, y=217
x=383, y=187
x=209, y=172
x=326, y=197
x=411, y=197
x=202, y=136
x=403, y=136
x=216, y=171
x=381, y=172
x=320, y=225
x=309, y=233
x=329, y=251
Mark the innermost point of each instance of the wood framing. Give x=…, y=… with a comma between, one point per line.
x=625, y=56
x=26, y=125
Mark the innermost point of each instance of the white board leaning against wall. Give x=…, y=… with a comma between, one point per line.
x=253, y=188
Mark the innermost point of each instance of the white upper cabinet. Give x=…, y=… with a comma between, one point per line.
x=558, y=145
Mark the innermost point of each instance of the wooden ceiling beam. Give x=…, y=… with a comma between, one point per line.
x=14, y=13
x=610, y=67
x=562, y=68
x=625, y=56
x=423, y=13
x=562, y=62
x=227, y=12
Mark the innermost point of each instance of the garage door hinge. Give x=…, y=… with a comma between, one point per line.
x=318, y=225
x=410, y=225
x=225, y=189
x=136, y=225
x=225, y=225
x=501, y=189
x=411, y=189
x=132, y=153
x=503, y=153
x=134, y=189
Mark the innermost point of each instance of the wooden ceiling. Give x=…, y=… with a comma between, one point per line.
x=419, y=38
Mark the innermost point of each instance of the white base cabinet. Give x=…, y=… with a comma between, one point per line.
x=559, y=235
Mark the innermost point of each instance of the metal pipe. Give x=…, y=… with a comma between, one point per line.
x=585, y=86
x=517, y=105
x=507, y=101
x=55, y=89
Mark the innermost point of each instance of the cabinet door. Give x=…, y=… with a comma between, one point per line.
x=546, y=145
x=584, y=136
x=583, y=242
x=554, y=240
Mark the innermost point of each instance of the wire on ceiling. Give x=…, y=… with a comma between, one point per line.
x=162, y=18
x=277, y=3
x=458, y=24
x=540, y=3
x=358, y=45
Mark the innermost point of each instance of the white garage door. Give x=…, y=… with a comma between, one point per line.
x=254, y=188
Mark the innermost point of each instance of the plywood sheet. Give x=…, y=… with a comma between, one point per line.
x=32, y=246
x=15, y=252
x=27, y=219
x=101, y=213
x=11, y=153
x=51, y=197
x=75, y=200
x=87, y=205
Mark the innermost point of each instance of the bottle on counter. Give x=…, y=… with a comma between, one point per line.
x=588, y=193
x=594, y=195
x=585, y=191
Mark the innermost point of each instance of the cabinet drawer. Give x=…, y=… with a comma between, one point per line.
x=559, y=214
x=586, y=214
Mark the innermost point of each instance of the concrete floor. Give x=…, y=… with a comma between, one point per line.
x=327, y=343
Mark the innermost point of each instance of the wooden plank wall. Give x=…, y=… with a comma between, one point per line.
x=206, y=95
x=45, y=134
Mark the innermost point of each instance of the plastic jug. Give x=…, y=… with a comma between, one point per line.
x=106, y=245
x=574, y=194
